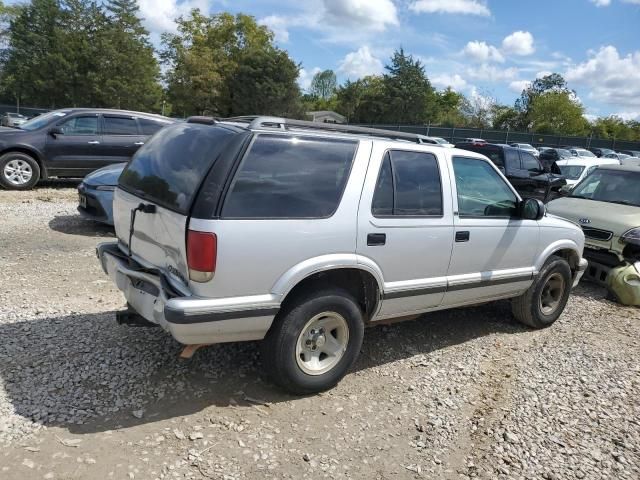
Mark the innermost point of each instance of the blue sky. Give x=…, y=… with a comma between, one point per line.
x=478, y=47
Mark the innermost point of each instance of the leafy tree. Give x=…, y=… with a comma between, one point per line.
x=557, y=112
x=323, y=85
x=505, y=118
x=265, y=82
x=479, y=110
x=129, y=74
x=614, y=127
x=209, y=54
x=448, y=106
x=408, y=93
x=33, y=64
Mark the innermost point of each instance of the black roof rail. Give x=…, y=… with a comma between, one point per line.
x=256, y=122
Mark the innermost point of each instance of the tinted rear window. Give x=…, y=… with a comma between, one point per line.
x=149, y=127
x=169, y=168
x=120, y=126
x=290, y=177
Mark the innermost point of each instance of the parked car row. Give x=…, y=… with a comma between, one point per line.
x=71, y=143
x=185, y=222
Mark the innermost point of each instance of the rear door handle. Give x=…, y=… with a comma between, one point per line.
x=376, y=239
x=462, y=236
x=94, y=142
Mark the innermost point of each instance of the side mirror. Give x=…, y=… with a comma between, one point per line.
x=53, y=131
x=532, y=209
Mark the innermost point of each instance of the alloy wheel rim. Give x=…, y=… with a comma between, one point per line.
x=551, y=294
x=17, y=172
x=322, y=343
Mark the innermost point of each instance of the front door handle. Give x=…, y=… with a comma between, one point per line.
x=376, y=239
x=139, y=143
x=462, y=236
x=94, y=142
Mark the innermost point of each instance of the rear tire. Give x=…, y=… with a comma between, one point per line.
x=18, y=171
x=313, y=342
x=545, y=300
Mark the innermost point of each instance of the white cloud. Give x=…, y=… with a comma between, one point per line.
x=601, y=3
x=456, y=82
x=305, y=77
x=370, y=15
x=491, y=74
x=278, y=25
x=464, y=7
x=482, y=52
x=518, y=43
x=159, y=15
x=359, y=64
x=613, y=79
x=519, y=85
x=626, y=116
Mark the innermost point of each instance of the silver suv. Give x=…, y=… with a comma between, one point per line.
x=301, y=234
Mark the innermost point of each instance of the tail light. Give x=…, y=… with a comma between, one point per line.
x=202, y=253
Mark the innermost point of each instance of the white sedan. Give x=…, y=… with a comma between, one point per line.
x=574, y=170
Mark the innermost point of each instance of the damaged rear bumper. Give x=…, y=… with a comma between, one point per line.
x=189, y=319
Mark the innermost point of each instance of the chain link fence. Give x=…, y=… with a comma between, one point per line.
x=456, y=135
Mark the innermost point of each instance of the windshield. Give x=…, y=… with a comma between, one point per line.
x=612, y=186
x=571, y=172
x=563, y=153
x=439, y=140
x=15, y=115
x=42, y=120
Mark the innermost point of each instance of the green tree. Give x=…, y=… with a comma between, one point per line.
x=208, y=53
x=265, y=83
x=448, y=108
x=557, y=112
x=409, y=96
x=129, y=72
x=323, y=85
x=505, y=118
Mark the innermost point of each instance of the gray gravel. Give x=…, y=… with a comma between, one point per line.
x=461, y=394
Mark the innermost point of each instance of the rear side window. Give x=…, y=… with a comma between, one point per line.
x=283, y=176
x=169, y=168
x=120, y=126
x=408, y=185
x=512, y=159
x=149, y=127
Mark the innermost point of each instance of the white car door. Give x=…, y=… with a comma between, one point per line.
x=493, y=251
x=405, y=226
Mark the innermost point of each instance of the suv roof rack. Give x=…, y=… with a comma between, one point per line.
x=256, y=122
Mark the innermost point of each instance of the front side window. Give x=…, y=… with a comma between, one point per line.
x=481, y=191
x=530, y=163
x=80, y=126
x=284, y=176
x=120, y=126
x=408, y=185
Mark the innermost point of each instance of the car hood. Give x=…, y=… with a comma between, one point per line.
x=602, y=215
x=106, y=175
x=6, y=130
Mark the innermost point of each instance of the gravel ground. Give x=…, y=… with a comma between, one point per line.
x=459, y=394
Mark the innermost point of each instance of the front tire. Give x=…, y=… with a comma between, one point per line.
x=18, y=171
x=545, y=300
x=313, y=342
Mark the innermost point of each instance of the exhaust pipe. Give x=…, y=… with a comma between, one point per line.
x=133, y=319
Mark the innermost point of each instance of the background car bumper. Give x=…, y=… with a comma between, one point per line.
x=99, y=206
x=190, y=320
